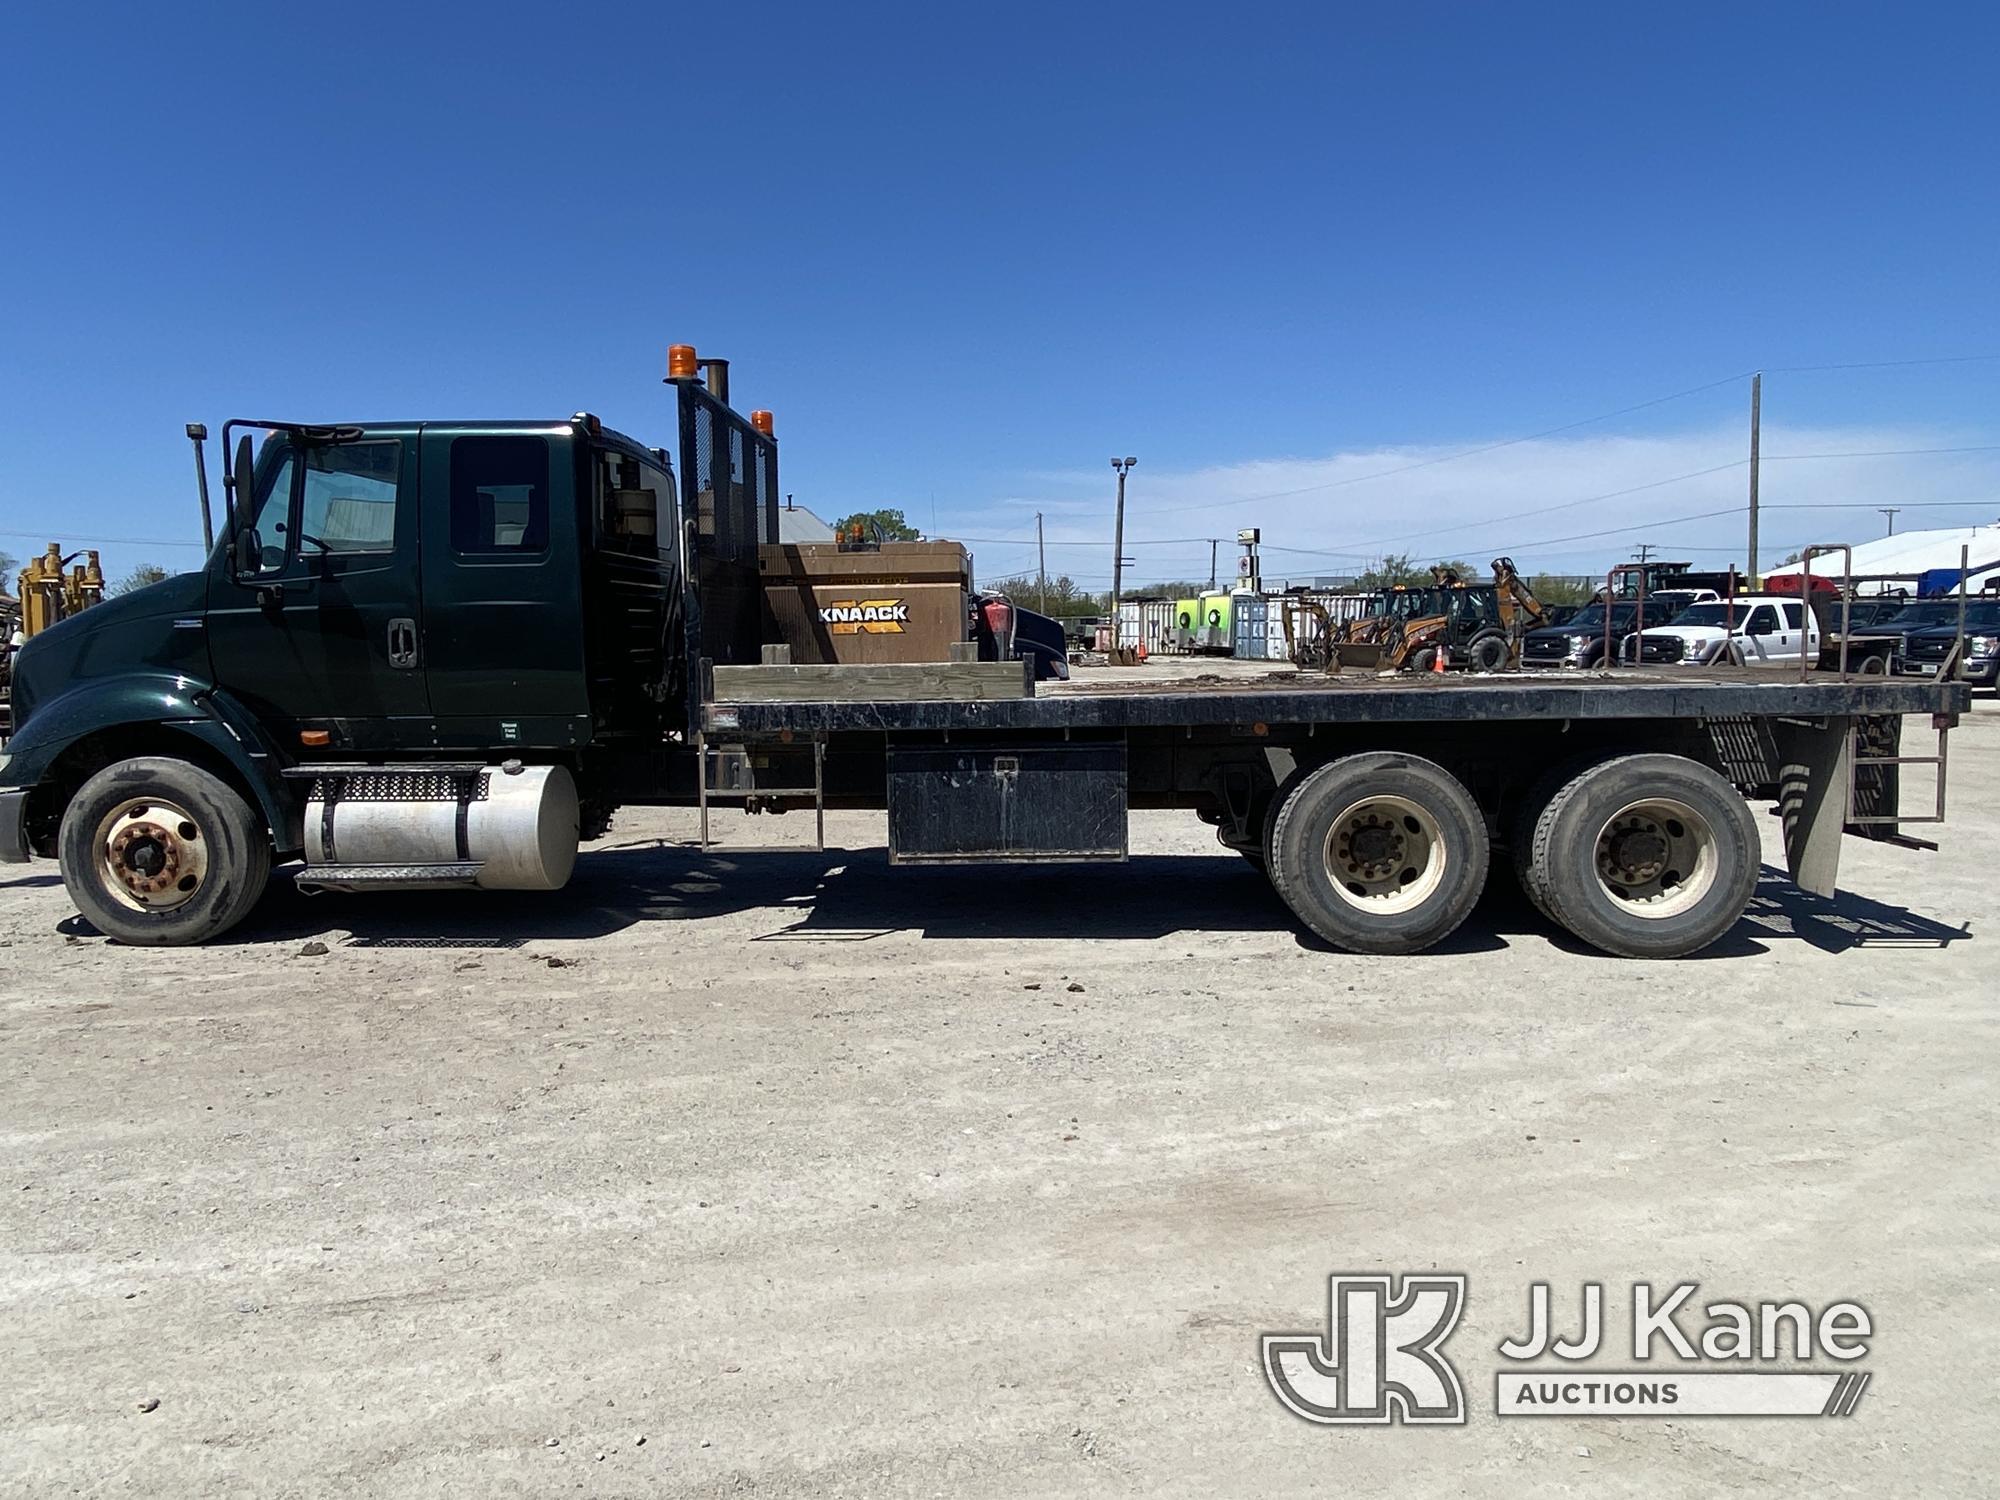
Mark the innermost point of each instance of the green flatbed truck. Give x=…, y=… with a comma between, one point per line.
x=440, y=654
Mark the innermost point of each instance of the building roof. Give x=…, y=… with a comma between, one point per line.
x=797, y=524
x=1911, y=552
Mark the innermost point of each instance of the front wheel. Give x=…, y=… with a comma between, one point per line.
x=159, y=853
x=1644, y=856
x=1379, y=852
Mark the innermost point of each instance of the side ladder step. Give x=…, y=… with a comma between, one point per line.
x=1856, y=760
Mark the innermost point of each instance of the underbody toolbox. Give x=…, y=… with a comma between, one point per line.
x=1034, y=802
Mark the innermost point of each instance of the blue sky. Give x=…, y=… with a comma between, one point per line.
x=969, y=253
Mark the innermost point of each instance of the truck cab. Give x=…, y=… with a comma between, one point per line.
x=491, y=624
x=1753, y=630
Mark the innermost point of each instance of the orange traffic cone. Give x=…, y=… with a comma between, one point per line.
x=1437, y=659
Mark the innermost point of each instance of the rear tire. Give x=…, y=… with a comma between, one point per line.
x=1379, y=852
x=1489, y=653
x=1644, y=856
x=159, y=853
x=1525, y=812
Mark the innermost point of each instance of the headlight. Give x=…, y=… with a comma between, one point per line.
x=1979, y=645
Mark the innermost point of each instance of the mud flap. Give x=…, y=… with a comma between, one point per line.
x=1815, y=763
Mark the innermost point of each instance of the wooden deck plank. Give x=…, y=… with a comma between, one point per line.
x=879, y=682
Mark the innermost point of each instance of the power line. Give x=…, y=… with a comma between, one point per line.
x=1524, y=515
x=104, y=541
x=1772, y=458
x=1663, y=483
x=1905, y=505
x=1883, y=364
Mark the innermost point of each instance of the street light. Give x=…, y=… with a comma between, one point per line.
x=1124, y=467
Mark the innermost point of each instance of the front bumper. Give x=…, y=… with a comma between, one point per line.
x=1980, y=671
x=14, y=826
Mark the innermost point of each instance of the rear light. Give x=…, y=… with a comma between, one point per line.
x=998, y=617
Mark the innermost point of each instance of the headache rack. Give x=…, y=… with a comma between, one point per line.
x=729, y=506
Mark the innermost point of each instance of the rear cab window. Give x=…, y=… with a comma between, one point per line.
x=500, y=498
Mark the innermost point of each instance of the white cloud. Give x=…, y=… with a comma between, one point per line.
x=1566, y=505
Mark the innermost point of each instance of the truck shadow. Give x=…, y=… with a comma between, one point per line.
x=1842, y=922
x=857, y=896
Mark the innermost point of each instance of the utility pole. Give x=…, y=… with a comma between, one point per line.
x=1041, y=561
x=1756, y=435
x=1890, y=512
x=1212, y=543
x=1645, y=551
x=1124, y=467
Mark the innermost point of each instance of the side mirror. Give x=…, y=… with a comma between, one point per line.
x=243, y=478
x=249, y=558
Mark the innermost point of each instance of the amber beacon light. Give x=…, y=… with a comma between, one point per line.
x=761, y=420
x=681, y=362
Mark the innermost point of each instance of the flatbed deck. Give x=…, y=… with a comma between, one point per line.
x=1292, y=697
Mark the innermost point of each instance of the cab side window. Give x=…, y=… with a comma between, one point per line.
x=500, y=497
x=349, y=503
x=634, y=501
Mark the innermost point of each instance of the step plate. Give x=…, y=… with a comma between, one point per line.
x=458, y=876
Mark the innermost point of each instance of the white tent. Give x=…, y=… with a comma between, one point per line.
x=1910, y=553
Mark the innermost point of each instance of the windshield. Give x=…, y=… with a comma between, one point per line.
x=1917, y=616
x=1712, y=613
x=1591, y=617
x=1977, y=616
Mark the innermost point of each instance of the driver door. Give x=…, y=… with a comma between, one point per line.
x=1758, y=633
x=323, y=630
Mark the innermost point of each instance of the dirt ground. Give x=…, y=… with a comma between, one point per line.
x=824, y=1178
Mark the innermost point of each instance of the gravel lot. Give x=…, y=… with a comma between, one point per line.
x=828, y=1178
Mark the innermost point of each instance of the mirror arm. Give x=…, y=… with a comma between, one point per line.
x=198, y=435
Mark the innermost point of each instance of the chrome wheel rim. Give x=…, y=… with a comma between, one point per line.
x=151, y=854
x=1385, y=855
x=1655, y=858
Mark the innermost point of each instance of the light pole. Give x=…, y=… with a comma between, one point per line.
x=1124, y=467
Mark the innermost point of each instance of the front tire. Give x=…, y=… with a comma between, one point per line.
x=159, y=853
x=1644, y=856
x=1379, y=852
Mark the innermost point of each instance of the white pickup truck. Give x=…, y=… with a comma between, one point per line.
x=1756, y=630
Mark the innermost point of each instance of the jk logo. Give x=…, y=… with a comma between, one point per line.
x=1379, y=1360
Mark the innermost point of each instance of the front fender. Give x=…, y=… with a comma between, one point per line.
x=172, y=705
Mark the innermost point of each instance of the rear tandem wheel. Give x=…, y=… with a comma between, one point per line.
x=1379, y=852
x=1643, y=856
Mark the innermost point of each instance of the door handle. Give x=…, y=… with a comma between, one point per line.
x=402, y=643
